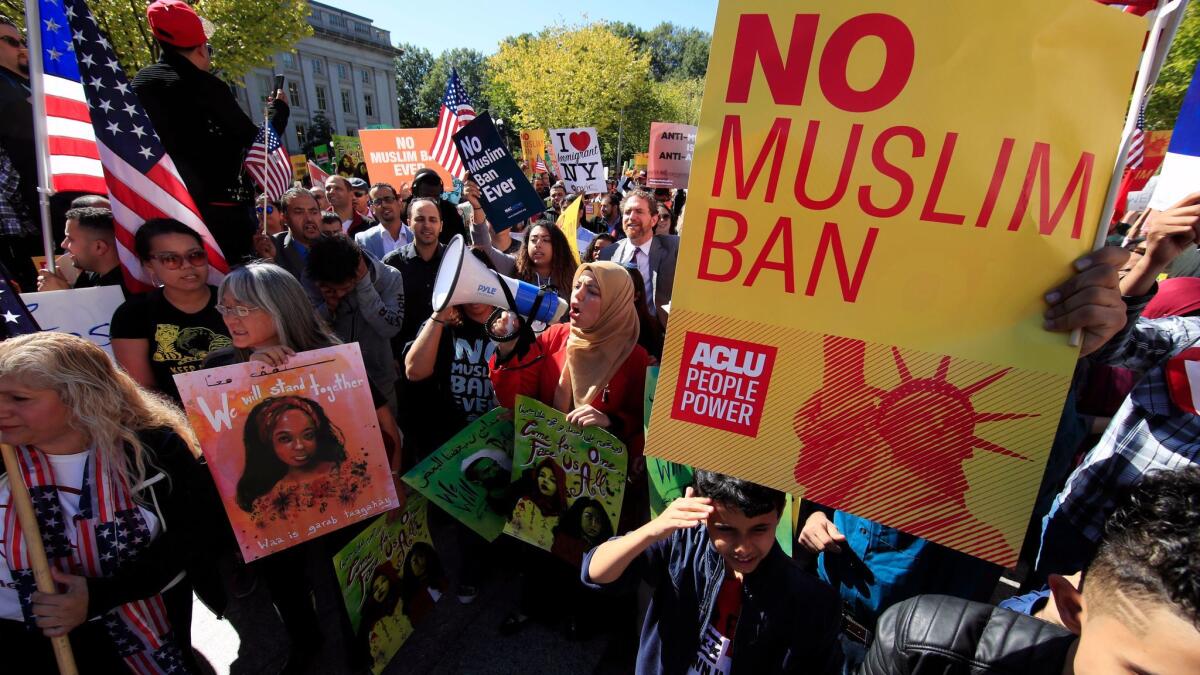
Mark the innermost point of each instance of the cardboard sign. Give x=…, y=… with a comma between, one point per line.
x=815, y=344
x=82, y=312
x=533, y=147
x=568, y=482
x=394, y=156
x=670, y=157
x=299, y=167
x=469, y=476
x=348, y=153
x=295, y=452
x=577, y=152
x=506, y=194
x=391, y=577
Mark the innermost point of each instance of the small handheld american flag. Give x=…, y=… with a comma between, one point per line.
x=15, y=317
x=268, y=163
x=456, y=112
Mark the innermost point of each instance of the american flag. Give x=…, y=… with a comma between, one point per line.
x=539, y=165
x=1137, y=142
x=456, y=112
x=17, y=319
x=270, y=166
x=316, y=175
x=74, y=159
x=142, y=181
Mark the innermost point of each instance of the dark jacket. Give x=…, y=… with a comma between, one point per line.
x=16, y=133
x=789, y=620
x=942, y=635
x=201, y=126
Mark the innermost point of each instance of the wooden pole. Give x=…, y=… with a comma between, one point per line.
x=32, y=535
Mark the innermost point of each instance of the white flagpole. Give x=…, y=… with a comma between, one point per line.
x=1167, y=16
x=33, y=24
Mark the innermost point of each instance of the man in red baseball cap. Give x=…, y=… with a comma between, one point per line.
x=201, y=125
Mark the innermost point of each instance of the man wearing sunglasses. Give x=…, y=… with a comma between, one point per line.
x=201, y=125
x=391, y=233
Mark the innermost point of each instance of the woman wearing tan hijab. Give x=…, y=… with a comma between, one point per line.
x=591, y=368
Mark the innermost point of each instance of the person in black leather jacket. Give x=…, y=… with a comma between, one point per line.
x=1138, y=610
x=201, y=126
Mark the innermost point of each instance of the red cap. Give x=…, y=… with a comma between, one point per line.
x=176, y=23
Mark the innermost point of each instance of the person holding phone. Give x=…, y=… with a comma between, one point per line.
x=201, y=126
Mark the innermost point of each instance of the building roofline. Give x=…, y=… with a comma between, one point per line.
x=339, y=10
x=335, y=36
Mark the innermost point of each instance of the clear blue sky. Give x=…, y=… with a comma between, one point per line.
x=481, y=24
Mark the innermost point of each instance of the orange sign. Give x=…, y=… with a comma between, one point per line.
x=396, y=155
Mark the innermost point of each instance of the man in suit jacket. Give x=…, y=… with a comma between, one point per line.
x=303, y=219
x=653, y=254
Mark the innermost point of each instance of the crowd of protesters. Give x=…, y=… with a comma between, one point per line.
x=1108, y=576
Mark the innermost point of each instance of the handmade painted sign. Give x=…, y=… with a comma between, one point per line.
x=390, y=577
x=568, y=482
x=815, y=344
x=469, y=477
x=295, y=452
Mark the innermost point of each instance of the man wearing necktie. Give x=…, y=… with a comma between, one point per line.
x=654, y=255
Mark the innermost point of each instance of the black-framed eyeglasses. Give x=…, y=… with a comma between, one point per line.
x=383, y=200
x=14, y=42
x=174, y=261
x=270, y=209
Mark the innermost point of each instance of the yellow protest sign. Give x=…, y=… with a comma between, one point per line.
x=533, y=146
x=299, y=167
x=881, y=192
x=568, y=222
x=641, y=160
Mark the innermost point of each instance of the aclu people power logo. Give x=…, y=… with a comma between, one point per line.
x=723, y=383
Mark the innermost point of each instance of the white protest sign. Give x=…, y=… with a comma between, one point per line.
x=84, y=312
x=578, y=153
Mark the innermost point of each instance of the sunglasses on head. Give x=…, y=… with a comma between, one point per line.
x=174, y=261
x=270, y=209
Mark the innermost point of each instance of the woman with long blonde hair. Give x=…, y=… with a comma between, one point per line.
x=121, y=501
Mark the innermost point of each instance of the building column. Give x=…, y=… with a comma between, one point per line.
x=356, y=91
x=335, y=99
x=385, y=102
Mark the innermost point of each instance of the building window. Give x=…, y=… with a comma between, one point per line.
x=351, y=131
x=316, y=15
x=294, y=94
x=337, y=20
x=300, y=132
x=366, y=77
x=320, y=98
x=345, y=101
x=362, y=28
x=289, y=60
x=341, y=70
x=368, y=106
x=317, y=70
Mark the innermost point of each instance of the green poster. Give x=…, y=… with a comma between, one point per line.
x=349, y=157
x=390, y=578
x=469, y=476
x=568, y=481
x=668, y=480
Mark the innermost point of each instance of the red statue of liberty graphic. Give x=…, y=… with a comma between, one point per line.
x=897, y=455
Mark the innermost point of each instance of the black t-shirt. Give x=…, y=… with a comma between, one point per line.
x=178, y=341
x=458, y=391
x=114, y=277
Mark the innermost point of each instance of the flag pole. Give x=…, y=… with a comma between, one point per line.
x=32, y=535
x=266, y=159
x=1147, y=74
x=37, y=86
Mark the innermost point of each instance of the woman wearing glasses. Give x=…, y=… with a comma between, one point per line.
x=173, y=327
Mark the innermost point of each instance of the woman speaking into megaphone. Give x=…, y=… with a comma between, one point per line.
x=591, y=368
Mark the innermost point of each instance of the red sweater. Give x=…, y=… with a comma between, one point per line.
x=622, y=400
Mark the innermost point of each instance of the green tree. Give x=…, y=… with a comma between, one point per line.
x=578, y=76
x=681, y=100
x=472, y=69
x=677, y=52
x=249, y=32
x=1176, y=74
x=412, y=68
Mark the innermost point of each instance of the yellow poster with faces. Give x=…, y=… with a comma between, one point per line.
x=881, y=193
